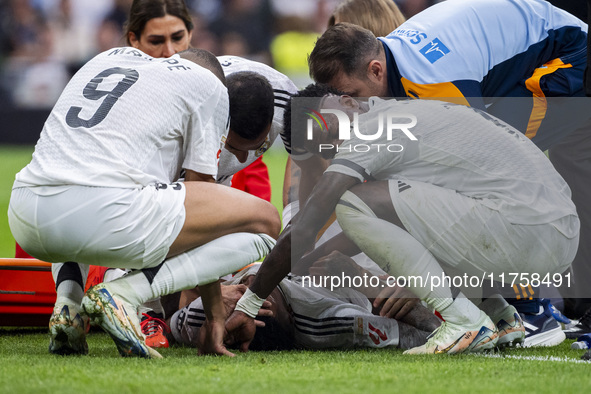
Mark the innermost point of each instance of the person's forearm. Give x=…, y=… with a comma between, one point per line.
x=212, y=332
x=311, y=171
x=213, y=305
x=317, y=211
x=303, y=230
x=275, y=267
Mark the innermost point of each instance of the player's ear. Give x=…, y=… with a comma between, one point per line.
x=348, y=101
x=133, y=40
x=375, y=70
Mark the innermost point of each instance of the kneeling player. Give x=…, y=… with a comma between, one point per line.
x=100, y=190
x=466, y=190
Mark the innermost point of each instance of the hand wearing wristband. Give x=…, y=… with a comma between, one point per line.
x=249, y=303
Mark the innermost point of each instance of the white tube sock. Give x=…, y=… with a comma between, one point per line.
x=69, y=292
x=198, y=266
x=401, y=255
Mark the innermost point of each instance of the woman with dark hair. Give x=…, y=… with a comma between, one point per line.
x=159, y=28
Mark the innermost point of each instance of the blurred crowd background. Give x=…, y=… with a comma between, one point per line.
x=44, y=42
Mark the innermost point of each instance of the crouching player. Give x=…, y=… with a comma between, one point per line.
x=100, y=190
x=459, y=189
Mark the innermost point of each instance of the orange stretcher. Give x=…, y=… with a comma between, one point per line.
x=27, y=292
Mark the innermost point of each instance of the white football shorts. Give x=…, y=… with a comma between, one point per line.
x=113, y=227
x=463, y=233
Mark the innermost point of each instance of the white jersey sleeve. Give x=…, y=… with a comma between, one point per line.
x=128, y=120
x=283, y=89
x=462, y=149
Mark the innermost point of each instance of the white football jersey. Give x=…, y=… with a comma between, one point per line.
x=283, y=88
x=462, y=149
x=128, y=120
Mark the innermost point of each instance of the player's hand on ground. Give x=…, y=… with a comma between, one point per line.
x=211, y=339
x=240, y=330
x=395, y=302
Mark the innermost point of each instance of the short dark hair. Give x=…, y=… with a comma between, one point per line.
x=144, y=10
x=206, y=60
x=252, y=103
x=314, y=90
x=272, y=336
x=343, y=47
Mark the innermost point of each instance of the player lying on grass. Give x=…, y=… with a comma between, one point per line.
x=466, y=191
x=312, y=318
x=100, y=190
x=387, y=301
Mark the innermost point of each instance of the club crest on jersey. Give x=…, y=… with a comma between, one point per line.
x=434, y=50
x=263, y=148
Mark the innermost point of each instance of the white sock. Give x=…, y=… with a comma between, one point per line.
x=494, y=306
x=460, y=311
x=69, y=292
x=401, y=255
x=154, y=306
x=198, y=266
x=113, y=273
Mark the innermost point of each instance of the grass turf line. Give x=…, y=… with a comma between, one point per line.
x=27, y=367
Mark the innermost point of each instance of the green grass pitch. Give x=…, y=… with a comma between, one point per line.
x=26, y=366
